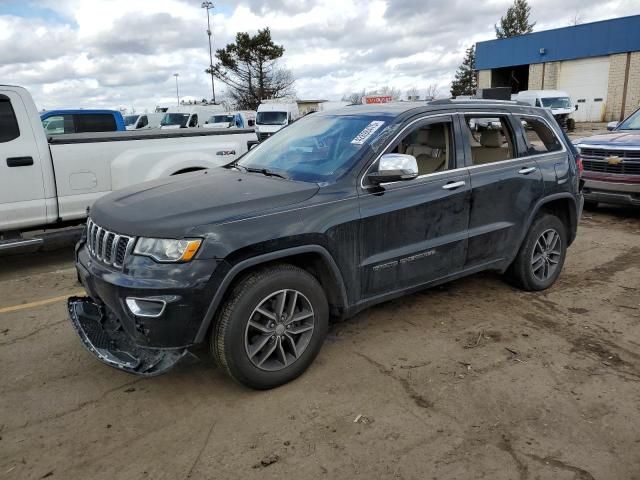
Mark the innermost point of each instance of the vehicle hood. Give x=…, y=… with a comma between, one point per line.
x=173, y=207
x=622, y=138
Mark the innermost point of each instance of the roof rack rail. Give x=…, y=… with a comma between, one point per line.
x=454, y=101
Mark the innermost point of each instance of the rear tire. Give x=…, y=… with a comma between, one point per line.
x=271, y=327
x=541, y=256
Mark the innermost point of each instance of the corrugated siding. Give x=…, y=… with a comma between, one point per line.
x=596, y=39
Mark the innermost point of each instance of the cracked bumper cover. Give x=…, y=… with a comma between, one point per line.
x=103, y=335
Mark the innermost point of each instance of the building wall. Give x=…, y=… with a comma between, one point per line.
x=484, y=79
x=615, y=94
x=551, y=72
x=633, y=87
x=535, y=76
x=617, y=68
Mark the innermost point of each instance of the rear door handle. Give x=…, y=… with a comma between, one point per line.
x=19, y=161
x=527, y=170
x=453, y=185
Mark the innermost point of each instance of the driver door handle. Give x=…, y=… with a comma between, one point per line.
x=453, y=185
x=527, y=170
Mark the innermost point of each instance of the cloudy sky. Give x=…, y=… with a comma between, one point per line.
x=123, y=53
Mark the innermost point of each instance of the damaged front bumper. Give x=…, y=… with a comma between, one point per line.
x=103, y=335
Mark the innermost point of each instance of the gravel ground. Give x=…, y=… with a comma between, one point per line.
x=471, y=380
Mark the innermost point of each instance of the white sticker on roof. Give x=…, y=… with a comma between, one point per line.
x=369, y=130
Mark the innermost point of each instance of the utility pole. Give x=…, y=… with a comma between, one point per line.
x=177, y=92
x=209, y=6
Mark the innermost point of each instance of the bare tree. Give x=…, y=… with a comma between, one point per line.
x=355, y=98
x=413, y=94
x=432, y=91
x=575, y=20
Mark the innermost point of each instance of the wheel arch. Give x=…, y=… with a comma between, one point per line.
x=563, y=206
x=315, y=259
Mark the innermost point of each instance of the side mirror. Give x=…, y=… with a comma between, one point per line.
x=394, y=167
x=206, y=122
x=612, y=125
x=576, y=107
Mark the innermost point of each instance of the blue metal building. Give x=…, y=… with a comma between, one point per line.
x=597, y=63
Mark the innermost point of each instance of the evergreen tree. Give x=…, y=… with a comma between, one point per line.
x=516, y=21
x=249, y=69
x=465, y=81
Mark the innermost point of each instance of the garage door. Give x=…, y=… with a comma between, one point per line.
x=586, y=81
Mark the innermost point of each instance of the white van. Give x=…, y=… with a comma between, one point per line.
x=557, y=100
x=144, y=120
x=274, y=115
x=188, y=116
x=238, y=119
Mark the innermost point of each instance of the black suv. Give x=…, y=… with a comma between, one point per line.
x=337, y=212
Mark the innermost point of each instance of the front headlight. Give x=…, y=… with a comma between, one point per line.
x=167, y=250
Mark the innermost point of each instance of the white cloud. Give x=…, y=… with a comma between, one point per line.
x=123, y=53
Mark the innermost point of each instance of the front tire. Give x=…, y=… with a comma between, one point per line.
x=271, y=327
x=541, y=256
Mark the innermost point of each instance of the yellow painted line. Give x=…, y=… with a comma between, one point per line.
x=39, y=303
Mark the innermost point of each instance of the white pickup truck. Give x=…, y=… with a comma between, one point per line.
x=47, y=183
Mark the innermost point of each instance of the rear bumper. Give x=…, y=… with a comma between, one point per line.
x=611, y=192
x=101, y=333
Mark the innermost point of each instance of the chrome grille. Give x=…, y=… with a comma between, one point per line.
x=603, y=153
x=108, y=247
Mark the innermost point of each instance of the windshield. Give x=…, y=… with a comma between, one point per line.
x=174, y=119
x=317, y=148
x=130, y=120
x=631, y=123
x=271, y=118
x=556, y=102
x=221, y=119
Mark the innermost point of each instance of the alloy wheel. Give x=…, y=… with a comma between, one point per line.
x=279, y=330
x=546, y=255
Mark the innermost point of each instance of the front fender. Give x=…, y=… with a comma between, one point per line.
x=245, y=265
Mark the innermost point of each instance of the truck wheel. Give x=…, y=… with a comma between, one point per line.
x=541, y=256
x=271, y=327
x=571, y=125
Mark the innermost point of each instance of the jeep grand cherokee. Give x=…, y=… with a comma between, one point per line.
x=337, y=212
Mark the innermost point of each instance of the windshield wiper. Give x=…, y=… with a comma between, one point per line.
x=265, y=171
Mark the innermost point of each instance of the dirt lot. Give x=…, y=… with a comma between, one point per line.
x=471, y=380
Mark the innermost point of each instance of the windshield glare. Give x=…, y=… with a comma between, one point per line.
x=317, y=148
x=631, y=123
x=174, y=119
x=130, y=120
x=271, y=118
x=556, y=102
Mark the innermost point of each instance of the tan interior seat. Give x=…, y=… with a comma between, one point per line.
x=491, y=148
x=431, y=149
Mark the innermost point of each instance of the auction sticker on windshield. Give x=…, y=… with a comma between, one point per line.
x=365, y=134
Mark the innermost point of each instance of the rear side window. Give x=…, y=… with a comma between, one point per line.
x=9, y=129
x=143, y=121
x=539, y=137
x=490, y=138
x=194, y=121
x=95, y=122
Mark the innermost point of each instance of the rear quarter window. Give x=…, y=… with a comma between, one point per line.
x=95, y=122
x=9, y=129
x=539, y=137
